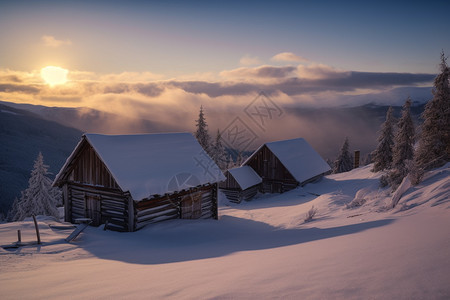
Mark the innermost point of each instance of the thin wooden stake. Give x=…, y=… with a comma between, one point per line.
x=19, y=236
x=37, y=230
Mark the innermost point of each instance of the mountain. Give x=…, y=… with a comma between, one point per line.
x=22, y=136
x=91, y=120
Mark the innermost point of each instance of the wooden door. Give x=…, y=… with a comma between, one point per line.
x=191, y=206
x=93, y=210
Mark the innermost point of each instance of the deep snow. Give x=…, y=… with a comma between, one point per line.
x=258, y=249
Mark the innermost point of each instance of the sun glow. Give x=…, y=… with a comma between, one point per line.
x=54, y=75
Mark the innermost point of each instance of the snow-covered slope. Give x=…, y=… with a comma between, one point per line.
x=355, y=248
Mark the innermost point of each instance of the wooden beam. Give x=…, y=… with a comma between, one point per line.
x=130, y=214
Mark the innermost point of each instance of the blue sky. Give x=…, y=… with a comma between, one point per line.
x=179, y=37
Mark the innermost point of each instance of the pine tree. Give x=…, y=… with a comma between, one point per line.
x=230, y=162
x=40, y=198
x=218, y=154
x=13, y=211
x=403, y=150
x=404, y=139
x=344, y=161
x=202, y=131
x=434, y=142
x=382, y=156
x=239, y=159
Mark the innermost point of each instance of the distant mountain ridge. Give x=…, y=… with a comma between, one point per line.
x=22, y=136
x=90, y=120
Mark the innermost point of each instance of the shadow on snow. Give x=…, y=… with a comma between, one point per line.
x=174, y=241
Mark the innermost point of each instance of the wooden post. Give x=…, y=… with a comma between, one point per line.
x=67, y=204
x=19, y=236
x=37, y=230
x=356, y=162
x=131, y=225
x=215, y=200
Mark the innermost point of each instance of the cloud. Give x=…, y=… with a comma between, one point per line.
x=10, y=78
x=216, y=89
x=320, y=71
x=149, y=89
x=288, y=57
x=18, y=88
x=312, y=85
x=259, y=72
x=51, y=41
x=351, y=81
x=131, y=77
x=248, y=60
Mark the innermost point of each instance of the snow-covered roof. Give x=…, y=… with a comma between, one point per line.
x=154, y=164
x=299, y=158
x=245, y=176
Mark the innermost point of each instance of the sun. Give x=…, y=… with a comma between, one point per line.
x=54, y=75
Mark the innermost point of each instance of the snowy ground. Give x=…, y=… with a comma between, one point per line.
x=258, y=249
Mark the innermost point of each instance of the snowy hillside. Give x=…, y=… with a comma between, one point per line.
x=354, y=248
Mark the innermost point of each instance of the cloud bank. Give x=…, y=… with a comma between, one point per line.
x=149, y=96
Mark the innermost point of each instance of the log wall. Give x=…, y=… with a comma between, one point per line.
x=229, y=183
x=113, y=205
x=237, y=195
x=168, y=207
x=276, y=178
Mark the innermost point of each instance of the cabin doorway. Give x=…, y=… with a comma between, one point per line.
x=93, y=210
x=191, y=206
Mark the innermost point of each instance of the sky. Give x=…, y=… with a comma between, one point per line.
x=130, y=57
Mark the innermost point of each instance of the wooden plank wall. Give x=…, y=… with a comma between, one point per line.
x=229, y=183
x=237, y=195
x=169, y=206
x=113, y=205
x=89, y=169
x=276, y=178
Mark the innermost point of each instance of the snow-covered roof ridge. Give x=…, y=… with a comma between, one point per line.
x=154, y=164
x=299, y=158
x=245, y=176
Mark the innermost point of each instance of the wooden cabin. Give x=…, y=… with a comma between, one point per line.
x=129, y=181
x=241, y=184
x=284, y=165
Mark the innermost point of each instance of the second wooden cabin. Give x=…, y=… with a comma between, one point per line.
x=129, y=181
x=242, y=183
x=284, y=165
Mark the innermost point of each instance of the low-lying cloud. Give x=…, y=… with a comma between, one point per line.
x=312, y=85
x=261, y=72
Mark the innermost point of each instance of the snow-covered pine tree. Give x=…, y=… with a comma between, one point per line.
x=344, y=162
x=382, y=156
x=218, y=152
x=230, y=162
x=13, y=210
x=239, y=159
x=404, y=139
x=40, y=198
x=434, y=142
x=403, y=150
x=202, y=131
